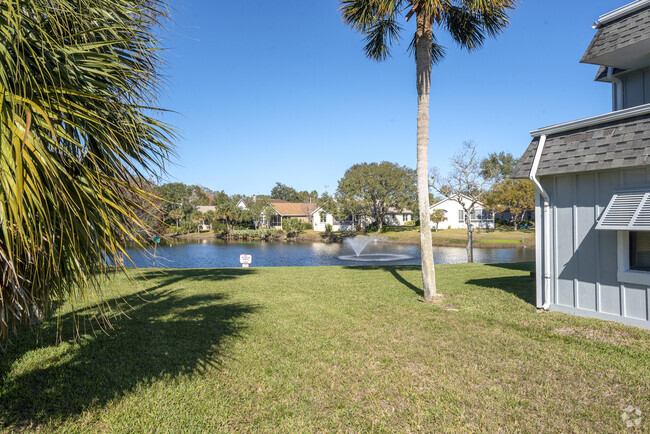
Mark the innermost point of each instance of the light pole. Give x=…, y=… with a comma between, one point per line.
x=471, y=243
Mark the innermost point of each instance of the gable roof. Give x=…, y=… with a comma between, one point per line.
x=615, y=140
x=440, y=202
x=294, y=209
x=620, y=30
x=206, y=208
x=245, y=200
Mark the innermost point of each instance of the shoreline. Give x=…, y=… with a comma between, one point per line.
x=383, y=239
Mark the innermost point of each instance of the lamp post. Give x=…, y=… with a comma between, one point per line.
x=471, y=243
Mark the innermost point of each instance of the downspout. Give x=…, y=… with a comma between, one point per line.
x=618, y=89
x=547, y=237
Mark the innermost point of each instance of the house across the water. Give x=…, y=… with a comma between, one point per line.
x=454, y=211
x=592, y=181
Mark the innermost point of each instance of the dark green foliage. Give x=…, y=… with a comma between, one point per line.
x=499, y=166
x=468, y=22
x=374, y=189
x=284, y=192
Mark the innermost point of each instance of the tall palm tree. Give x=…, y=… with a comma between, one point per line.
x=468, y=22
x=77, y=84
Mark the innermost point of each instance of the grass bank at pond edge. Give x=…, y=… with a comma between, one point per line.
x=328, y=348
x=499, y=238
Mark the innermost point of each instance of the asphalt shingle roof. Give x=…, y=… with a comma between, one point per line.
x=610, y=145
x=619, y=33
x=294, y=209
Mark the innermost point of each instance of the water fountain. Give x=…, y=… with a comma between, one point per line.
x=359, y=243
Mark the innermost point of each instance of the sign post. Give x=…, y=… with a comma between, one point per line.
x=156, y=240
x=245, y=260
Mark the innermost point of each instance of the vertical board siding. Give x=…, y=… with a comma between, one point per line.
x=586, y=241
x=610, y=298
x=584, y=260
x=635, y=302
x=566, y=265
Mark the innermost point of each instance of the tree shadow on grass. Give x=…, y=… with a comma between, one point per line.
x=394, y=270
x=168, y=333
x=520, y=286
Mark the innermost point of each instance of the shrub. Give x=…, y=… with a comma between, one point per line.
x=328, y=228
x=292, y=227
x=219, y=227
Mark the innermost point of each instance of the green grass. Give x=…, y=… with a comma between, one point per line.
x=444, y=237
x=327, y=348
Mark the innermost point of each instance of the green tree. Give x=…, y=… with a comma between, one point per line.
x=77, y=134
x=292, y=227
x=373, y=188
x=284, y=192
x=468, y=22
x=516, y=196
x=257, y=209
x=226, y=210
x=173, y=194
x=197, y=217
x=176, y=214
x=438, y=216
x=498, y=167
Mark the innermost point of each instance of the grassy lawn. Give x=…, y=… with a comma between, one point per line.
x=447, y=237
x=458, y=237
x=328, y=348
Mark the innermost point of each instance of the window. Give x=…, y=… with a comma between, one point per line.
x=461, y=215
x=323, y=217
x=276, y=220
x=628, y=213
x=640, y=251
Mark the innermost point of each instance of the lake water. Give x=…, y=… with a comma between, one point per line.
x=217, y=253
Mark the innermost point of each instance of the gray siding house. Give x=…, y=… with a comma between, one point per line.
x=592, y=180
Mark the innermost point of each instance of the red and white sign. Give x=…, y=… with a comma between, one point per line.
x=245, y=259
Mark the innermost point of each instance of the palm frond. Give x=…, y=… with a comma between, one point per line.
x=78, y=79
x=464, y=27
x=379, y=39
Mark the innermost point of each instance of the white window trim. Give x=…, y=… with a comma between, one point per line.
x=624, y=274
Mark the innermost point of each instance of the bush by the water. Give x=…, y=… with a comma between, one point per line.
x=255, y=233
x=293, y=227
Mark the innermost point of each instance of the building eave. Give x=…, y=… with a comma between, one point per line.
x=592, y=121
x=620, y=12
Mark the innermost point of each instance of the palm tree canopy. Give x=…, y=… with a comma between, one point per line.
x=77, y=82
x=468, y=22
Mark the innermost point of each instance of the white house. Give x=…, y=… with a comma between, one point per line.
x=394, y=217
x=321, y=219
x=398, y=217
x=455, y=215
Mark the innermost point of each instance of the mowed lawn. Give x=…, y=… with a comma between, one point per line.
x=327, y=348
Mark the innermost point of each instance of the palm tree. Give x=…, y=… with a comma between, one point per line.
x=77, y=84
x=468, y=22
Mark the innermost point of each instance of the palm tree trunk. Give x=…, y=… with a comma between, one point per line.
x=424, y=39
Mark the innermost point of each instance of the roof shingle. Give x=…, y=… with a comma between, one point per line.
x=294, y=209
x=618, y=34
x=610, y=145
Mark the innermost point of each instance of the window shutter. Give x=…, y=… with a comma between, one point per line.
x=628, y=210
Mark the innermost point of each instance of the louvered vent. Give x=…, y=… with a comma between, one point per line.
x=628, y=210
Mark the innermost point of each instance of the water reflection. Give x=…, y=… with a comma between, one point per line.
x=209, y=253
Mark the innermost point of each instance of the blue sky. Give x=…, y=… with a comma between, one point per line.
x=281, y=91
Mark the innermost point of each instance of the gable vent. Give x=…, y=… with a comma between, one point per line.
x=628, y=210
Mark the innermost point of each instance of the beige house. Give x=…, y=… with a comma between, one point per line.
x=278, y=211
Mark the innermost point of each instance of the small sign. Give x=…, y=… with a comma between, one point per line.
x=245, y=260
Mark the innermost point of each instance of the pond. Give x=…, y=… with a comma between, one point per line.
x=217, y=253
